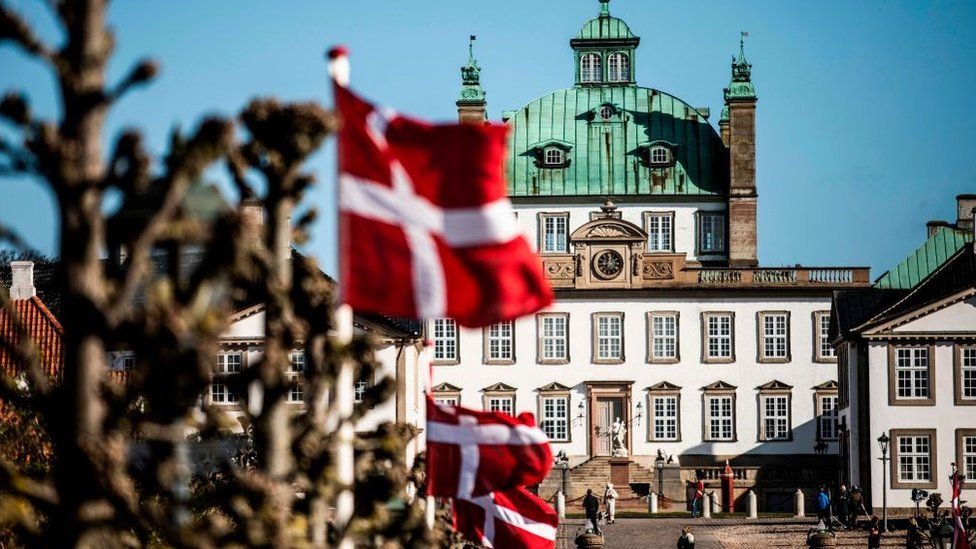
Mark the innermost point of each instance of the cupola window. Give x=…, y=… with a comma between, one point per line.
x=607, y=112
x=618, y=67
x=660, y=155
x=554, y=156
x=590, y=69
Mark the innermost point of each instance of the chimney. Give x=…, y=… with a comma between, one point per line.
x=965, y=204
x=933, y=227
x=22, y=280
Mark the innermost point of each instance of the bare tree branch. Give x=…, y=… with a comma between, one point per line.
x=141, y=74
x=13, y=28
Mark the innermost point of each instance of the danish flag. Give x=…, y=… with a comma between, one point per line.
x=483, y=460
x=425, y=228
x=959, y=538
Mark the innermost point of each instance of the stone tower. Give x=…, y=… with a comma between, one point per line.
x=738, y=130
x=471, y=104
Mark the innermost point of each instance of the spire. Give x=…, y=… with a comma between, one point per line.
x=471, y=98
x=741, y=86
x=604, y=8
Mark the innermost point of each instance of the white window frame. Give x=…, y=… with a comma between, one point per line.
x=554, y=417
x=591, y=68
x=554, y=233
x=775, y=417
x=774, y=336
x=359, y=390
x=823, y=351
x=663, y=337
x=553, y=336
x=711, y=233
x=608, y=338
x=447, y=400
x=618, y=67
x=915, y=464
x=606, y=113
x=553, y=156
x=228, y=364
x=719, y=427
x=444, y=334
x=659, y=227
x=912, y=373
x=500, y=403
x=967, y=374
x=499, y=343
x=296, y=369
x=967, y=451
x=666, y=417
x=659, y=155
x=718, y=336
x=827, y=416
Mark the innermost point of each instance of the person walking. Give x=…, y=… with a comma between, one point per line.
x=686, y=540
x=913, y=537
x=591, y=504
x=874, y=533
x=843, y=506
x=857, y=504
x=696, y=502
x=823, y=507
x=610, y=502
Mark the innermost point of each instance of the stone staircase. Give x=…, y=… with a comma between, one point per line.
x=594, y=474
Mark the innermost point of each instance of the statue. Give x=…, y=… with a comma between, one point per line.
x=618, y=442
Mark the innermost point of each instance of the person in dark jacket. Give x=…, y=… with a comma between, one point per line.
x=857, y=504
x=843, y=506
x=913, y=537
x=591, y=504
x=686, y=540
x=874, y=533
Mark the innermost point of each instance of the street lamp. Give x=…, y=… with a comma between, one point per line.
x=640, y=407
x=820, y=447
x=883, y=442
x=562, y=461
x=659, y=465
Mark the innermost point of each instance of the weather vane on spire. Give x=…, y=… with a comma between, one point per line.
x=471, y=40
x=604, y=8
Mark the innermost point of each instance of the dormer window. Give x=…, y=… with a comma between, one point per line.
x=553, y=156
x=660, y=155
x=590, y=69
x=607, y=112
x=618, y=65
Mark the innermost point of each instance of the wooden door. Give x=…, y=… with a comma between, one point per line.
x=607, y=411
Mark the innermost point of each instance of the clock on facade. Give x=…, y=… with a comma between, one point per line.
x=608, y=264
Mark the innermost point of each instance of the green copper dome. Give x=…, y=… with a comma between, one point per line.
x=605, y=28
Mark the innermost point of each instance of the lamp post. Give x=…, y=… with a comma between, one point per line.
x=820, y=448
x=883, y=442
x=562, y=461
x=659, y=465
x=640, y=407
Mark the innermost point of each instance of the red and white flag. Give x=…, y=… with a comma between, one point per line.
x=426, y=228
x=514, y=518
x=959, y=538
x=472, y=453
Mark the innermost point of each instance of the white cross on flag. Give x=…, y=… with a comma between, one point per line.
x=959, y=538
x=482, y=460
x=426, y=230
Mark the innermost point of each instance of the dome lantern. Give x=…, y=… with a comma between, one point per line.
x=604, y=50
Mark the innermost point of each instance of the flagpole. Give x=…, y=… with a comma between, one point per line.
x=345, y=473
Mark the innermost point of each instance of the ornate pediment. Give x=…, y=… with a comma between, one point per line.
x=663, y=386
x=826, y=386
x=499, y=388
x=719, y=386
x=774, y=385
x=608, y=230
x=554, y=387
x=445, y=388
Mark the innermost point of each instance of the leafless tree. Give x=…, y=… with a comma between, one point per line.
x=93, y=496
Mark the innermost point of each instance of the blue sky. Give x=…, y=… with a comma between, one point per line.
x=863, y=129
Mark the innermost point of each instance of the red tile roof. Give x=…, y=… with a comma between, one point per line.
x=42, y=327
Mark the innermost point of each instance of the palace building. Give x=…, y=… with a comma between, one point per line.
x=644, y=214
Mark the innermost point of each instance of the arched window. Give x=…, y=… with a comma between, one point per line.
x=619, y=67
x=553, y=156
x=590, y=70
x=660, y=155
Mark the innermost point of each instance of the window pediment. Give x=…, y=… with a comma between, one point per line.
x=445, y=388
x=608, y=230
x=774, y=385
x=719, y=386
x=554, y=387
x=663, y=386
x=827, y=386
x=499, y=388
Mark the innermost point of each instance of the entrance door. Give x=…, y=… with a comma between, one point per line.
x=607, y=411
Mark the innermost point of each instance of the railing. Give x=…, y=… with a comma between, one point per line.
x=797, y=276
x=715, y=473
x=719, y=277
x=832, y=276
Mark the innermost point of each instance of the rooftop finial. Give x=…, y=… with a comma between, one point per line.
x=471, y=90
x=604, y=8
x=741, y=86
x=742, y=45
x=471, y=40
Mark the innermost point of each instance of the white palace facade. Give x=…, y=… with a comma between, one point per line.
x=644, y=215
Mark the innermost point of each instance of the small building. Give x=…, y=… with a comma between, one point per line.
x=906, y=352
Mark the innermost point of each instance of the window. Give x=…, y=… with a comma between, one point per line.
x=720, y=417
x=445, y=341
x=296, y=367
x=659, y=155
x=500, y=343
x=447, y=400
x=554, y=233
x=504, y=404
x=775, y=417
x=663, y=339
x=774, y=345
x=821, y=327
x=914, y=461
x=911, y=373
x=719, y=336
x=618, y=68
x=607, y=112
x=965, y=375
x=665, y=420
x=827, y=417
x=359, y=390
x=229, y=365
x=128, y=362
x=553, y=156
x=608, y=337
x=590, y=69
x=711, y=233
x=553, y=343
x=660, y=231
x=966, y=453
x=555, y=417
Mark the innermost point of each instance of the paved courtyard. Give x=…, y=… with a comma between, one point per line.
x=712, y=533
